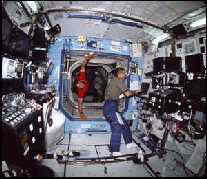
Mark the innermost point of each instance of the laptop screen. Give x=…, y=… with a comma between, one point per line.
x=145, y=87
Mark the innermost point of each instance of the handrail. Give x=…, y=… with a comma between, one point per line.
x=103, y=12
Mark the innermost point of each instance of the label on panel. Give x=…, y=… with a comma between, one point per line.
x=85, y=125
x=134, y=85
x=136, y=50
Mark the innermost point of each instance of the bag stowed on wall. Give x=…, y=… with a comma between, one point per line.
x=7, y=27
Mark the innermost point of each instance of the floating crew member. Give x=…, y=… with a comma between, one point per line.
x=82, y=85
x=115, y=90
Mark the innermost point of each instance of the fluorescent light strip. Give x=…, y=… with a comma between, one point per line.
x=198, y=22
x=33, y=5
x=160, y=38
x=98, y=9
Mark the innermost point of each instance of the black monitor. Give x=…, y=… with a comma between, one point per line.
x=38, y=56
x=194, y=63
x=145, y=88
x=158, y=64
x=173, y=64
x=196, y=87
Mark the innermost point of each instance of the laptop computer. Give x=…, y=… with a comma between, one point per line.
x=144, y=88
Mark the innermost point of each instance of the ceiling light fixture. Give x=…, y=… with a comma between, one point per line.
x=198, y=22
x=32, y=5
x=160, y=38
x=98, y=9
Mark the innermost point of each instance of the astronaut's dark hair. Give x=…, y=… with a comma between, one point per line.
x=117, y=70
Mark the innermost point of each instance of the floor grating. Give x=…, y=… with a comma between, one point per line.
x=96, y=145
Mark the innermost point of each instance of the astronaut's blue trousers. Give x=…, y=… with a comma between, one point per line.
x=110, y=113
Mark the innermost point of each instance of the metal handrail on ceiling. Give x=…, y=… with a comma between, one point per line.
x=105, y=13
x=106, y=19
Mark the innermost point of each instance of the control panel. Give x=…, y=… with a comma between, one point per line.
x=25, y=116
x=98, y=45
x=16, y=108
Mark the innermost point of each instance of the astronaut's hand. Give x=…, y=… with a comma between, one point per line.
x=39, y=157
x=136, y=93
x=89, y=56
x=128, y=93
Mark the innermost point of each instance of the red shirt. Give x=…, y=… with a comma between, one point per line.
x=82, y=92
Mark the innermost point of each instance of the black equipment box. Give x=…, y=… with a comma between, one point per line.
x=7, y=27
x=165, y=100
x=158, y=64
x=173, y=64
x=194, y=63
x=30, y=131
x=39, y=39
x=19, y=44
x=38, y=56
x=15, y=42
x=22, y=116
x=196, y=88
x=167, y=64
x=11, y=85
